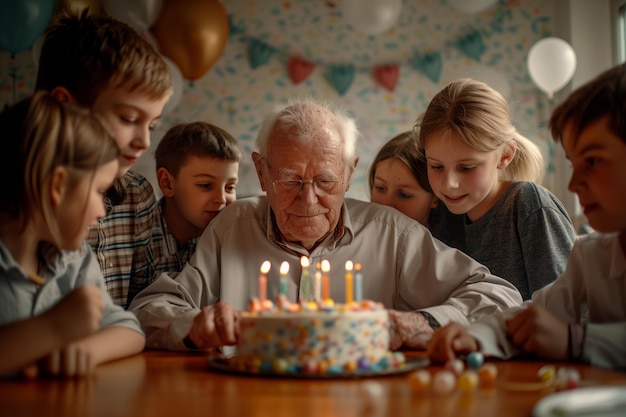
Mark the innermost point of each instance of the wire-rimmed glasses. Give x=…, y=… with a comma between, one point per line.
x=321, y=186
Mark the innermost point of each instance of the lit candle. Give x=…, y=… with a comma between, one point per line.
x=318, y=282
x=284, y=270
x=349, y=289
x=358, y=284
x=325, y=283
x=304, y=282
x=265, y=268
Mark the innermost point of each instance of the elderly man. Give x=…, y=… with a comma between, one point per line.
x=305, y=161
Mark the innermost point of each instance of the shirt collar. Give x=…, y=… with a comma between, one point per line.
x=52, y=262
x=343, y=228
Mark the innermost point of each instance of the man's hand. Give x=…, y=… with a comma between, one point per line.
x=449, y=341
x=408, y=329
x=537, y=331
x=215, y=326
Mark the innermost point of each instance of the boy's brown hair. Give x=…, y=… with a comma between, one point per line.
x=600, y=97
x=87, y=54
x=200, y=139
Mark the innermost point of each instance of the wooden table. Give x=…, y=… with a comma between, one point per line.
x=173, y=384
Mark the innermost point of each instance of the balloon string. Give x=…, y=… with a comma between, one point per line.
x=13, y=77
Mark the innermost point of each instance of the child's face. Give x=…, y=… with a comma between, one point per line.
x=464, y=179
x=598, y=160
x=396, y=186
x=84, y=202
x=202, y=188
x=131, y=116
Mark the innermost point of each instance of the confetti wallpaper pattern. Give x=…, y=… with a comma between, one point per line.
x=491, y=46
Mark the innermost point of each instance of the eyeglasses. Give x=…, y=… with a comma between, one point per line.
x=322, y=187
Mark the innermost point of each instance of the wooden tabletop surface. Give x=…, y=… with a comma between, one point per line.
x=179, y=384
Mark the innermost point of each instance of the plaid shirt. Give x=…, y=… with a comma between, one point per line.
x=121, y=238
x=164, y=252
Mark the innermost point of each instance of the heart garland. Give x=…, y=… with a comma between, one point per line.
x=429, y=64
x=259, y=53
x=387, y=76
x=472, y=45
x=299, y=69
x=340, y=76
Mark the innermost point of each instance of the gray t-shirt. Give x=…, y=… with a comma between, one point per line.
x=526, y=237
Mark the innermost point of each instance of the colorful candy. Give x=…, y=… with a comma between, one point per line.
x=475, y=360
x=546, y=373
x=468, y=381
x=487, y=375
x=567, y=378
x=456, y=366
x=444, y=382
x=420, y=380
x=454, y=376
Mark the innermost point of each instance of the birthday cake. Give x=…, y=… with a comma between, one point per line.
x=315, y=338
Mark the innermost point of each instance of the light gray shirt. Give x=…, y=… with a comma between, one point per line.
x=524, y=238
x=21, y=298
x=591, y=291
x=403, y=267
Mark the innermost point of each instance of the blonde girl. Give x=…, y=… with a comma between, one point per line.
x=56, y=318
x=486, y=176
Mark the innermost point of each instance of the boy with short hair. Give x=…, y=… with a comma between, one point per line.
x=197, y=170
x=581, y=315
x=104, y=65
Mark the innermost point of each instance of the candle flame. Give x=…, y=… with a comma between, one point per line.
x=265, y=267
x=325, y=266
x=349, y=265
x=357, y=267
x=284, y=268
x=304, y=262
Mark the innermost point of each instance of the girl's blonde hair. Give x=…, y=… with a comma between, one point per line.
x=480, y=117
x=41, y=134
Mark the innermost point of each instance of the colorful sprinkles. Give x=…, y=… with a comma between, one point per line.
x=315, y=339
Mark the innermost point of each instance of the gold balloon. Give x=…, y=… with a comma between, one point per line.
x=192, y=33
x=80, y=5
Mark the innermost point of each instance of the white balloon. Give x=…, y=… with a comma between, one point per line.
x=372, y=17
x=177, y=85
x=551, y=64
x=471, y=6
x=140, y=14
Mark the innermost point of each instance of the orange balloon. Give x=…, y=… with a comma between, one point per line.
x=192, y=33
x=80, y=5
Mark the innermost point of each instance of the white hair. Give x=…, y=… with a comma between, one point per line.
x=304, y=116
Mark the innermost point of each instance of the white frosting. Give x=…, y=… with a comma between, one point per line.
x=334, y=337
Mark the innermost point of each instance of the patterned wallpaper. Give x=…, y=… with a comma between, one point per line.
x=491, y=46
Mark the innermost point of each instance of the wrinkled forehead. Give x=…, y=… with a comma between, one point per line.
x=318, y=134
x=320, y=155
